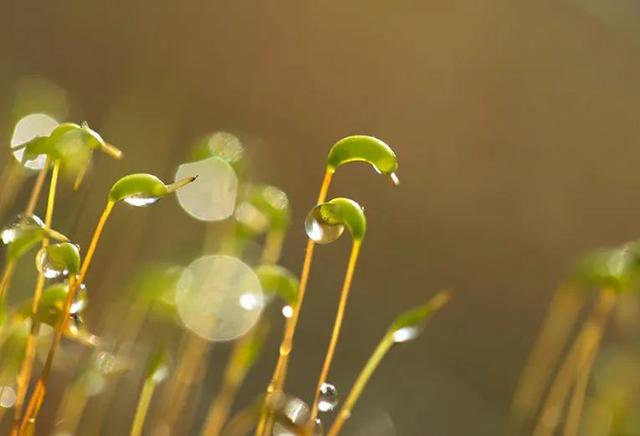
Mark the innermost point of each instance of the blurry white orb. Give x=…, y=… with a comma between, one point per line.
x=26, y=129
x=219, y=297
x=212, y=197
x=7, y=396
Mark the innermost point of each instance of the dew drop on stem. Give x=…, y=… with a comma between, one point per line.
x=328, y=399
x=318, y=230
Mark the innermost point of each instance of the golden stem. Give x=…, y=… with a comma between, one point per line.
x=279, y=374
x=24, y=377
x=190, y=362
x=6, y=278
x=272, y=247
x=554, y=332
x=560, y=388
x=345, y=412
x=37, y=188
x=593, y=337
x=143, y=407
x=233, y=376
x=37, y=397
x=337, y=325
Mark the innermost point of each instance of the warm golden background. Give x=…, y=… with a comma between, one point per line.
x=516, y=125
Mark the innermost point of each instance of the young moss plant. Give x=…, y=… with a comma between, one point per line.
x=325, y=224
x=157, y=371
x=356, y=148
x=405, y=328
x=612, y=272
x=275, y=281
x=135, y=189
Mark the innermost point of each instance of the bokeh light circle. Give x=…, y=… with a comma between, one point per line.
x=212, y=197
x=27, y=128
x=219, y=297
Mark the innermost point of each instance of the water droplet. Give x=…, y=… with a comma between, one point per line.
x=318, y=230
x=18, y=225
x=105, y=362
x=28, y=128
x=394, y=179
x=294, y=410
x=7, y=396
x=213, y=196
x=405, y=334
x=287, y=311
x=219, y=297
x=80, y=301
x=328, y=399
x=140, y=200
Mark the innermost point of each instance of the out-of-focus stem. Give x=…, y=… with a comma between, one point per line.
x=381, y=350
x=337, y=325
x=143, y=407
x=24, y=377
x=554, y=332
x=592, y=340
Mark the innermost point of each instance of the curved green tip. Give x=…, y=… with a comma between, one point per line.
x=63, y=256
x=277, y=280
x=617, y=268
x=363, y=148
x=344, y=211
x=409, y=325
x=145, y=187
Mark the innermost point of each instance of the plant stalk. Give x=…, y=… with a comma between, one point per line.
x=333, y=343
x=279, y=374
x=143, y=407
x=24, y=377
x=363, y=378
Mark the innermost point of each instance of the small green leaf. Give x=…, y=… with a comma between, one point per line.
x=143, y=189
x=410, y=324
x=63, y=257
x=277, y=280
x=611, y=267
x=325, y=222
x=52, y=303
x=24, y=233
x=12, y=351
x=362, y=148
x=265, y=208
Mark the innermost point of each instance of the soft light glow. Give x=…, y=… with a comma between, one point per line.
x=26, y=129
x=287, y=311
x=212, y=197
x=219, y=297
x=7, y=396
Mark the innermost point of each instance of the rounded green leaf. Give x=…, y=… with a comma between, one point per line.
x=277, y=280
x=24, y=233
x=611, y=268
x=326, y=221
x=62, y=259
x=265, y=208
x=409, y=325
x=143, y=189
x=363, y=148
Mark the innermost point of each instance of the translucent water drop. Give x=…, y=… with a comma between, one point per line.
x=287, y=311
x=318, y=230
x=140, y=200
x=405, y=334
x=17, y=226
x=105, y=362
x=219, y=297
x=49, y=267
x=328, y=399
x=213, y=196
x=80, y=301
x=294, y=410
x=7, y=396
x=26, y=129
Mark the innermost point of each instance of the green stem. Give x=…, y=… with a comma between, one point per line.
x=143, y=407
x=381, y=350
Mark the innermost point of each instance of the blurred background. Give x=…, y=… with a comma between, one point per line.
x=515, y=125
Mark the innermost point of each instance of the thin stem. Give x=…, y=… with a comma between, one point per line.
x=7, y=274
x=279, y=374
x=37, y=188
x=233, y=376
x=554, y=332
x=593, y=337
x=24, y=377
x=560, y=388
x=272, y=247
x=143, y=407
x=337, y=325
x=381, y=350
x=37, y=397
x=191, y=359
